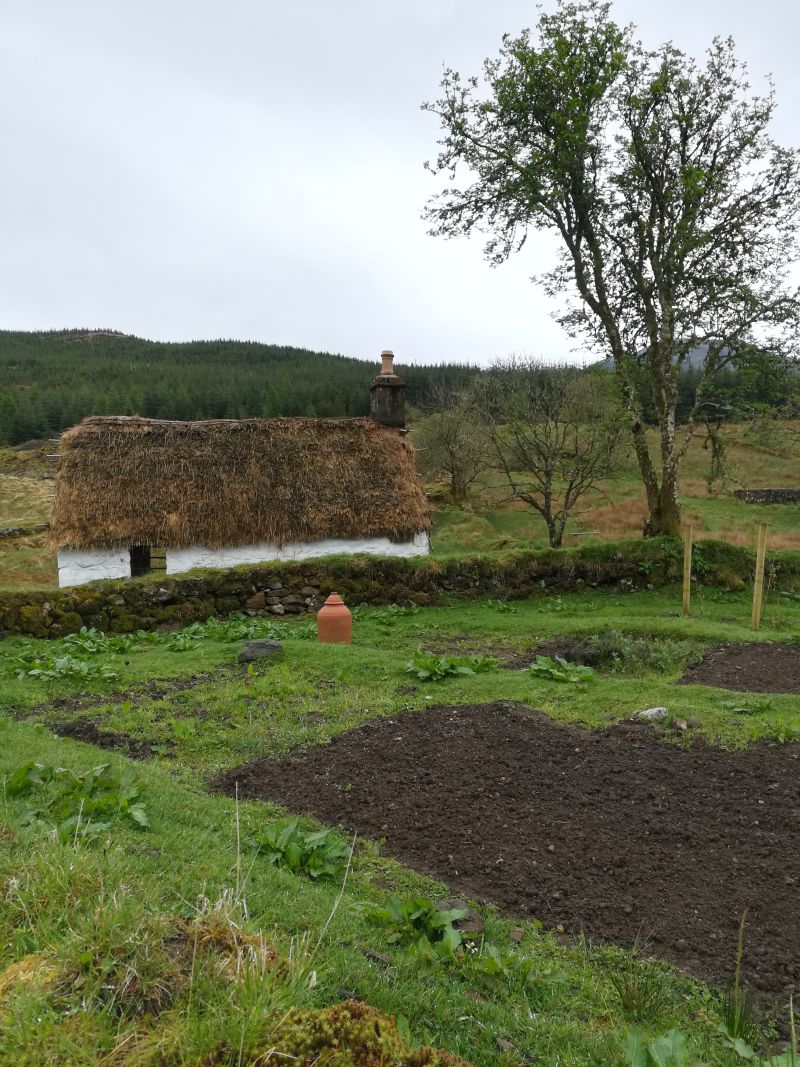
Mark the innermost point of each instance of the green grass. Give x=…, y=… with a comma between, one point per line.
x=103, y=912
x=100, y=912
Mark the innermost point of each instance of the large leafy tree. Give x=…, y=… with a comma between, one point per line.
x=676, y=212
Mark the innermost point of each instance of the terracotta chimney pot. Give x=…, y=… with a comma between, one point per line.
x=387, y=395
x=334, y=622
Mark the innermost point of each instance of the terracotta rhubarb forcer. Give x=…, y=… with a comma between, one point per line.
x=334, y=622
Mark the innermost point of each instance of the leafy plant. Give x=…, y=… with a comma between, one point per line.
x=782, y=733
x=51, y=667
x=77, y=802
x=429, y=667
x=492, y=968
x=389, y=615
x=504, y=607
x=754, y=706
x=669, y=1050
x=560, y=670
x=92, y=642
x=407, y=920
x=552, y=604
x=184, y=640
x=317, y=854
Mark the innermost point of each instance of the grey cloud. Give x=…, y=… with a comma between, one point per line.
x=251, y=169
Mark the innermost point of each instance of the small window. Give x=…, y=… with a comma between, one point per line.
x=147, y=559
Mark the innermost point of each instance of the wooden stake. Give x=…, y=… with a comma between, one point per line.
x=687, y=567
x=758, y=588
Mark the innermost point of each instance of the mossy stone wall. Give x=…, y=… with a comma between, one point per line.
x=294, y=588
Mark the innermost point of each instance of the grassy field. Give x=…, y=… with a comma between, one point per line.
x=26, y=496
x=616, y=509
x=176, y=944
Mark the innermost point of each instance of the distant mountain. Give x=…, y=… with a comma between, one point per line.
x=52, y=380
x=694, y=360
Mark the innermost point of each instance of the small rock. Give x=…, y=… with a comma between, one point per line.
x=277, y=609
x=517, y=934
x=377, y=957
x=694, y=722
x=255, y=602
x=651, y=715
x=259, y=649
x=680, y=724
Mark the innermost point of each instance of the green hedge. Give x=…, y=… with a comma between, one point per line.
x=146, y=603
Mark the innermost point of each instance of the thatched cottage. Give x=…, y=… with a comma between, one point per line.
x=136, y=495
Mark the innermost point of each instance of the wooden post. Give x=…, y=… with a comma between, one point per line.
x=758, y=588
x=687, y=567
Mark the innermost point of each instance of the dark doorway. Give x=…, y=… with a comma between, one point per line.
x=140, y=560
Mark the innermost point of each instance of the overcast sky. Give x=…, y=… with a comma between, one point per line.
x=186, y=169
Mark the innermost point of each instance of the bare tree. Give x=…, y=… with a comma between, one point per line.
x=554, y=433
x=449, y=442
x=676, y=212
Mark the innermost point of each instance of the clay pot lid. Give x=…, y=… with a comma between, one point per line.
x=334, y=598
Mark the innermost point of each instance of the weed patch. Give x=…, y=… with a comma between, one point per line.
x=429, y=667
x=557, y=669
x=76, y=803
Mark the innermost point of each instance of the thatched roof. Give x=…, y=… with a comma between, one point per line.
x=124, y=481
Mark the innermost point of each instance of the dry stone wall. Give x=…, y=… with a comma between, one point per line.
x=768, y=496
x=295, y=588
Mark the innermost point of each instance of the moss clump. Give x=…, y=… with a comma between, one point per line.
x=124, y=623
x=351, y=1034
x=66, y=622
x=34, y=971
x=33, y=620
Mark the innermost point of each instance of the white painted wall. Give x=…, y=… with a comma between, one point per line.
x=75, y=567
x=184, y=559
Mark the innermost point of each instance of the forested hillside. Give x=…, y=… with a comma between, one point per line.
x=49, y=381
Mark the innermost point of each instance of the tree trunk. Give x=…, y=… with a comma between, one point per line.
x=555, y=533
x=663, y=507
x=458, y=491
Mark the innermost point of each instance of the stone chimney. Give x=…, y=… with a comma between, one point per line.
x=388, y=395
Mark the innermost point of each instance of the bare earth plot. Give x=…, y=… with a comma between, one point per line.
x=612, y=833
x=768, y=667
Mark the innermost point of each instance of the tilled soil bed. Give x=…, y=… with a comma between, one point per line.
x=765, y=667
x=610, y=833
